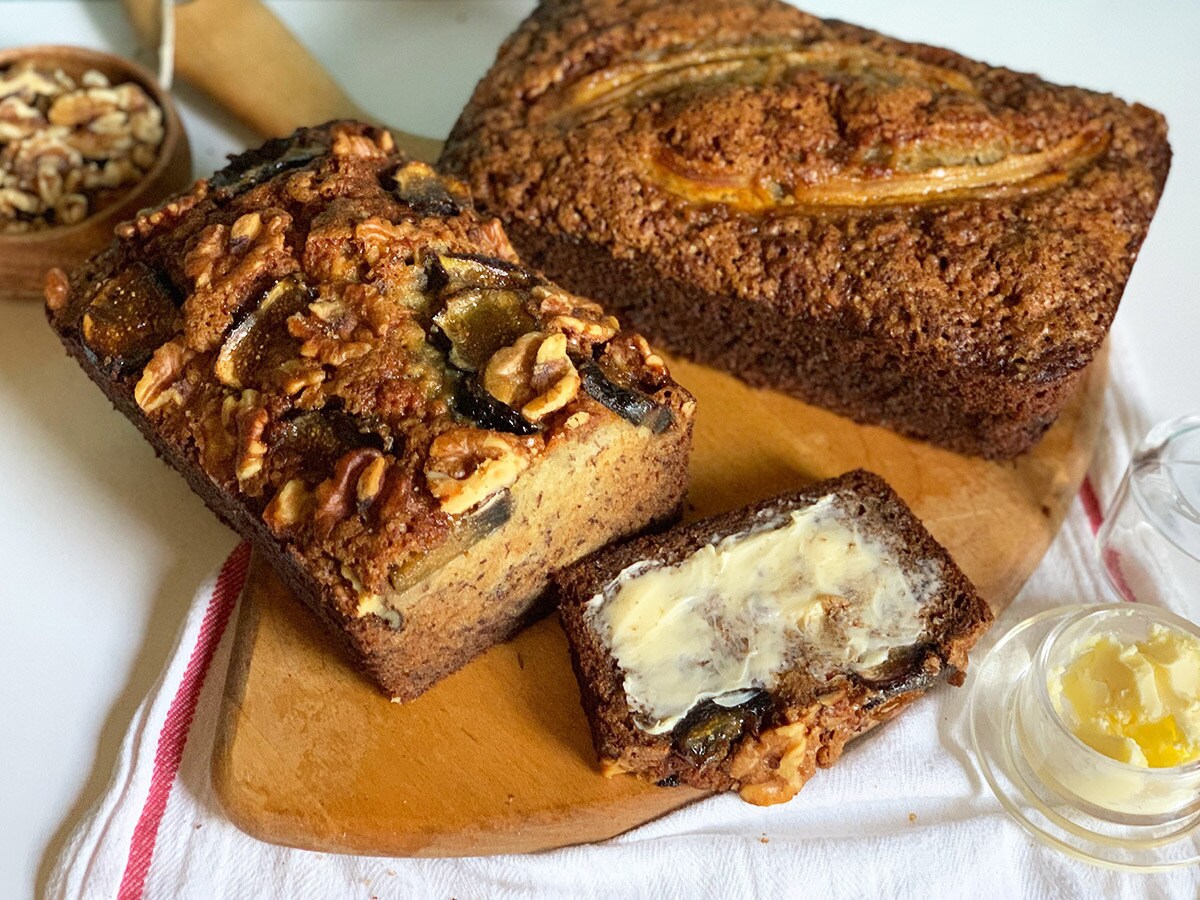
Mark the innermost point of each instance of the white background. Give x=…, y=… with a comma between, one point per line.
x=102, y=546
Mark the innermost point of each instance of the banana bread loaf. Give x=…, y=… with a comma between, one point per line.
x=743, y=651
x=350, y=366
x=890, y=230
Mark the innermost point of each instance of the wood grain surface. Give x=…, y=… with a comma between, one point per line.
x=497, y=758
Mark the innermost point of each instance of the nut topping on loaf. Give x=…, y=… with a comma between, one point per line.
x=743, y=651
x=353, y=368
x=890, y=230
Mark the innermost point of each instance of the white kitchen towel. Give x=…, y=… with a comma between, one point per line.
x=904, y=814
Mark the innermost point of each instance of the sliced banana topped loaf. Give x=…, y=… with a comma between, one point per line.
x=890, y=230
x=352, y=368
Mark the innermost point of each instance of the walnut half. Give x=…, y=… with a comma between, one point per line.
x=155, y=388
x=291, y=506
x=534, y=375
x=790, y=754
x=468, y=465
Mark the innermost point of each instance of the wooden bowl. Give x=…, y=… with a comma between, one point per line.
x=25, y=258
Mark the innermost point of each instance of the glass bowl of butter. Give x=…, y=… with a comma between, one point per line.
x=1085, y=722
x=1108, y=715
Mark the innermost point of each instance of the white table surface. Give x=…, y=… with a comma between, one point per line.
x=103, y=546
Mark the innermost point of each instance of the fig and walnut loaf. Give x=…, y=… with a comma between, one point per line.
x=743, y=651
x=351, y=367
x=890, y=230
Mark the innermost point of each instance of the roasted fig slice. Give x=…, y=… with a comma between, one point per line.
x=479, y=321
x=261, y=341
x=710, y=730
x=129, y=318
x=256, y=166
x=469, y=271
x=309, y=444
x=419, y=186
x=472, y=402
x=629, y=404
x=900, y=673
x=470, y=528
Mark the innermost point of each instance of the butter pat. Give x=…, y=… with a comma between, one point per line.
x=1136, y=702
x=805, y=587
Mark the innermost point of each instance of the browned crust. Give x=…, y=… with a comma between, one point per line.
x=835, y=711
x=964, y=319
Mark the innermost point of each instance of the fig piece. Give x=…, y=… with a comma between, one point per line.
x=129, y=318
x=469, y=529
x=709, y=730
x=261, y=341
x=419, y=186
x=629, y=404
x=246, y=170
x=309, y=445
x=465, y=270
x=472, y=402
x=479, y=321
x=903, y=672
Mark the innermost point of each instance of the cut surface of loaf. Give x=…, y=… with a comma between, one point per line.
x=893, y=231
x=741, y=652
x=352, y=368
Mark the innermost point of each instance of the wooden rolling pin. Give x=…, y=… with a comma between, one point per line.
x=238, y=53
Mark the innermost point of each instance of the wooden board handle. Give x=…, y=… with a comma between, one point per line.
x=238, y=53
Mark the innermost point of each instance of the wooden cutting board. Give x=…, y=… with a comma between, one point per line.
x=497, y=758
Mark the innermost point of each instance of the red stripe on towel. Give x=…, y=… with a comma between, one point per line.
x=173, y=737
x=1110, y=559
x=1091, y=505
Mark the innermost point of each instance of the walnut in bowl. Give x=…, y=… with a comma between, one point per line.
x=86, y=140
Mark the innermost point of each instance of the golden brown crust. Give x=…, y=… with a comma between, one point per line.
x=769, y=747
x=306, y=337
x=756, y=187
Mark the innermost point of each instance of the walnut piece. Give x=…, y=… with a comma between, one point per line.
x=375, y=145
x=629, y=361
x=583, y=322
x=58, y=290
x=534, y=375
x=337, y=497
x=790, y=755
x=370, y=481
x=28, y=83
x=228, y=265
x=19, y=120
x=299, y=375
x=251, y=420
x=155, y=388
x=468, y=465
x=326, y=349
x=291, y=506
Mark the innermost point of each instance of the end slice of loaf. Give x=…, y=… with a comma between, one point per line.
x=351, y=367
x=884, y=613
